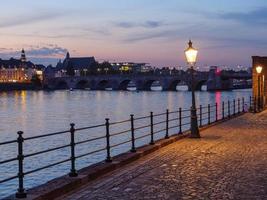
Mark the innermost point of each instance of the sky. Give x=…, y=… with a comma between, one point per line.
x=226, y=32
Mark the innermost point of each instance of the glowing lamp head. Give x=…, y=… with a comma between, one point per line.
x=259, y=69
x=191, y=54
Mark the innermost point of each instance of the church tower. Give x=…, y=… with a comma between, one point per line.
x=23, y=56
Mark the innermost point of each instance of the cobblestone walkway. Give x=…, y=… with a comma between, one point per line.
x=229, y=162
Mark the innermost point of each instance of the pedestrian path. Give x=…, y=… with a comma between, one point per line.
x=228, y=162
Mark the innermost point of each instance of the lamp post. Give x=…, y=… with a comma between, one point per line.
x=191, y=57
x=259, y=70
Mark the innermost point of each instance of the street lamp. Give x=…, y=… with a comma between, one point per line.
x=191, y=57
x=259, y=70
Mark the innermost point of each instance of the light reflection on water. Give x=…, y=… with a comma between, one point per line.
x=40, y=112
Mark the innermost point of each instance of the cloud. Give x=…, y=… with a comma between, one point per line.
x=180, y=31
x=153, y=24
x=125, y=24
x=146, y=24
x=45, y=51
x=151, y=35
x=254, y=17
x=29, y=19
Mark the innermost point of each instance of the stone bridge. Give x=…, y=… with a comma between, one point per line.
x=121, y=82
x=143, y=82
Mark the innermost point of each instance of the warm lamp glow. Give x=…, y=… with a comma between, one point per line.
x=191, y=54
x=259, y=69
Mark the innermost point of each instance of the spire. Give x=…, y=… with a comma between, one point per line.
x=23, y=56
x=68, y=55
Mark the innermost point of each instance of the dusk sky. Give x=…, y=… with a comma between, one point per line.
x=226, y=32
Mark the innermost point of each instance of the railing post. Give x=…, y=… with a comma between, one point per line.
x=216, y=112
x=151, y=129
x=21, y=191
x=238, y=106
x=73, y=172
x=243, y=104
x=132, y=132
x=180, y=121
x=108, y=159
x=200, y=116
x=208, y=113
x=167, y=124
x=255, y=104
x=229, y=109
x=223, y=110
x=234, y=106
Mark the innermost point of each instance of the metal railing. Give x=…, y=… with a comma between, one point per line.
x=178, y=120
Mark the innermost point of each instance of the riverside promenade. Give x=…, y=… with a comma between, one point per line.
x=228, y=162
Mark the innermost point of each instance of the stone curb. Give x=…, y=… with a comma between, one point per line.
x=64, y=184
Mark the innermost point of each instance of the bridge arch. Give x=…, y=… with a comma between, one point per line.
x=172, y=85
x=102, y=85
x=62, y=85
x=82, y=84
x=124, y=84
x=183, y=86
x=200, y=84
x=147, y=85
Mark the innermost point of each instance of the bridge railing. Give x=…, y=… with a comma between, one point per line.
x=133, y=133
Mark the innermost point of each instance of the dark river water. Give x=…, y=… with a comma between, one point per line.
x=41, y=112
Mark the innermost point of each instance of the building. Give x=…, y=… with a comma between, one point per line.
x=19, y=70
x=74, y=66
x=259, y=79
x=131, y=67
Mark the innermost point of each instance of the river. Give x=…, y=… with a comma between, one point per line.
x=41, y=112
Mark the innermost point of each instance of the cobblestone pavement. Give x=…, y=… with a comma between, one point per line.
x=229, y=162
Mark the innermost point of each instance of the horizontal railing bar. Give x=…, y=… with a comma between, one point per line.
x=186, y=110
x=171, y=127
x=143, y=136
x=185, y=117
x=204, y=113
x=119, y=122
x=90, y=140
x=46, y=151
x=174, y=119
x=142, y=127
x=139, y=118
x=7, y=161
x=161, y=122
x=8, y=142
x=177, y=111
x=90, y=127
x=158, y=131
x=186, y=124
x=47, y=166
x=121, y=132
x=46, y=135
x=160, y=114
x=115, y=145
x=92, y=152
x=8, y=179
